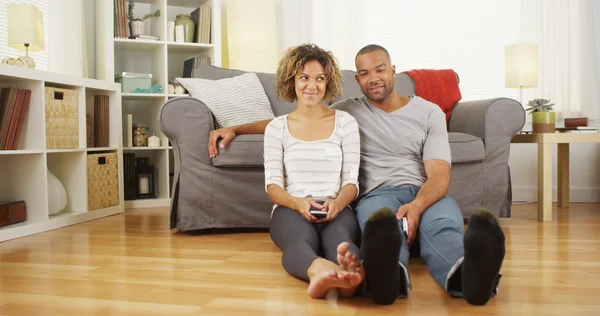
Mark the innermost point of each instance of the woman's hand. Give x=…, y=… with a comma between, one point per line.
x=303, y=205
x=333, y=208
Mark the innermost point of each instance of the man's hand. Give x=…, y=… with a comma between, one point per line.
x=332, y=208
x=227, y=134
x=413, y=215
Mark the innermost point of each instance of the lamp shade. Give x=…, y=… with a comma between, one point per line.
x=25, y=26
x=521, y=65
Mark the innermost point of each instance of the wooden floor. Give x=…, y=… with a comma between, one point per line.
x=131, y=264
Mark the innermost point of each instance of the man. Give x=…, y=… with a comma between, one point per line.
x=405, y=174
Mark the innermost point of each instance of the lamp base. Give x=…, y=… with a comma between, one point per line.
x=23, y=61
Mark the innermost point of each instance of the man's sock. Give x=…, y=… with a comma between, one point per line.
x=380, y=248
x=484, y=253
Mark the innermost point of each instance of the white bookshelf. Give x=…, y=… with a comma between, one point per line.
x=164, y=60
x=23, y=172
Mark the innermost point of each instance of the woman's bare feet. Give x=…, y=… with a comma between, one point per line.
x=349, y=262
x=324, y=276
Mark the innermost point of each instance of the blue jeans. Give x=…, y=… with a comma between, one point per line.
x=440, y=232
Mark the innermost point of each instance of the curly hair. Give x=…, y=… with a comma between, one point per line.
x=292, y=64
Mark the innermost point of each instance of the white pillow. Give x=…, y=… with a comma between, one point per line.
x=233, y=101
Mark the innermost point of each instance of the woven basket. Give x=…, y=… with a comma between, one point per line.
x=103, y=180
x=61, y=118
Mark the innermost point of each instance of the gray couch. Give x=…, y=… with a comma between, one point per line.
x=228, y=191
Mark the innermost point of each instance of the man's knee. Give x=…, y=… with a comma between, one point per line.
x=443, y=213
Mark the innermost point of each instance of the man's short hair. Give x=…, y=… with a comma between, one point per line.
x=372, y=48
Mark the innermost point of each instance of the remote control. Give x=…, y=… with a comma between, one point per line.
x=405, y=226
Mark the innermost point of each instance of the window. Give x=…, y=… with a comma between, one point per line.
x=465, y=35
x=40, y=57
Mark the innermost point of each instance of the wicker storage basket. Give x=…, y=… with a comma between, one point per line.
x=61, y=118
x=103, y=180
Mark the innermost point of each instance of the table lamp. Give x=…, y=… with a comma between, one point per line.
x=521, y=67
x=25, y=30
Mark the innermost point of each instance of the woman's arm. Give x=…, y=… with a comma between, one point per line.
x=350, y=161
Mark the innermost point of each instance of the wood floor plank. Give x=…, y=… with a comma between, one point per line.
x=132, y=264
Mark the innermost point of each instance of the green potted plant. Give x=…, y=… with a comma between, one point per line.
x=138, y=25
x=543, y=118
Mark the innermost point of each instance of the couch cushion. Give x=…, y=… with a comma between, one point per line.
x=242, y=152
x=232, y=101
x=267, y=80
x=466, y=148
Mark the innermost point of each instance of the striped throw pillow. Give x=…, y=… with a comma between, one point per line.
x=233, y=101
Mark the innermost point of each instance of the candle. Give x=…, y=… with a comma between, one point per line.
x=171, y=31
x=153, y=141
x=144, y=186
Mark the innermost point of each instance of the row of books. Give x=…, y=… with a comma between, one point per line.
x=14, y=106
x=121, y=21
x=101, y=121
x=202, y=18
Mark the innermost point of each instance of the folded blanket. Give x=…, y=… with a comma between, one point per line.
x=437, y=86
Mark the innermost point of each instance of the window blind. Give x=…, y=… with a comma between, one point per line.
x=465, y=35
x=40, y=57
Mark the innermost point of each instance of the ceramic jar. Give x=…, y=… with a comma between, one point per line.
x=188, y=26
x=140, y=135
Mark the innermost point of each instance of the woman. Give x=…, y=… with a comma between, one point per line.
x=311, y=158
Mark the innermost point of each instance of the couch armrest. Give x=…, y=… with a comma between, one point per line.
x=187, y=123
x=495, y=121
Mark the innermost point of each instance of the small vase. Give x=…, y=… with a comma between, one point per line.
x=188, y=26
x=543, y=122
x=137, y=28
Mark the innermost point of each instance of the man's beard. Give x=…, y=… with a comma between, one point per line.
x=380, y=97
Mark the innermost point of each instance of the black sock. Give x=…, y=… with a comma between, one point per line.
x=484, y=253
x=380, y=248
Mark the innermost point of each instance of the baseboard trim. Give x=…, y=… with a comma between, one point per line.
x=528, y=194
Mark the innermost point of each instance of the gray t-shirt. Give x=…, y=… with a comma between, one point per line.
x=395, y=145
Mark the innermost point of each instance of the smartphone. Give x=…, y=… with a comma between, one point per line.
x=317, y=212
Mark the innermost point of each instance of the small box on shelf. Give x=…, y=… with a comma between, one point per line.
x=12, y=212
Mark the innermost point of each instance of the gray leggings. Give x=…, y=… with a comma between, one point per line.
x=302, y=241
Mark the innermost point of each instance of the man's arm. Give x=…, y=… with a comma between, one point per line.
x=434, y=189
x=229, y=133
x=436, y=185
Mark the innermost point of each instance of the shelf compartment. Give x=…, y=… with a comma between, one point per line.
x=114, y=118
x=33, y=132
x=160, y=163
x=71, y=170
x=24, y=178
x=144, y=112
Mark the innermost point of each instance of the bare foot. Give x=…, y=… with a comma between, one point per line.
x=349, y=262
x=322, y=283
